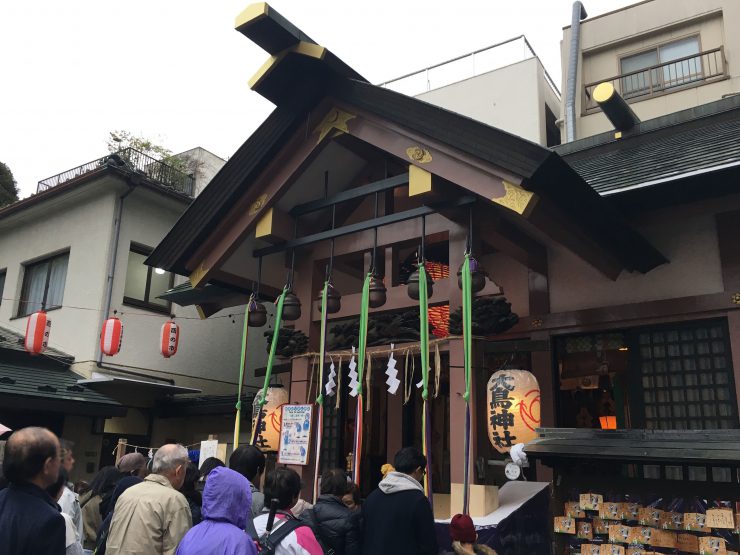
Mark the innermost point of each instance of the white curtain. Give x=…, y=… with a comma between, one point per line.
x=35, y=283
x=34, y=288
x=57, y=277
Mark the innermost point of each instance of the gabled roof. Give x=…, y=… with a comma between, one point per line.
x=686, y=143
x=311, y=79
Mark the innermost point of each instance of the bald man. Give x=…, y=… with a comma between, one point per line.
x=31, y=521
x=153, y=516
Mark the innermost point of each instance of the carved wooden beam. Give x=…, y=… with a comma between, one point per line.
x=274, y=226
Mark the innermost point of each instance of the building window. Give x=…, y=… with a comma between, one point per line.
x=2, y=285
x=641, y=76
x=687, y=378
x=43, y=285
x=144, y=283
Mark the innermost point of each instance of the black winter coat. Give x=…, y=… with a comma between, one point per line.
x=31, y=522
x=337, y=526
x=399, y=523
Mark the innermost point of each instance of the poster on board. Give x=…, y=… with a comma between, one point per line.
x=208, y=448
x=295, y=434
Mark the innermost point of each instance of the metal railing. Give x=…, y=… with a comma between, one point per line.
x=468, y=65
x=133, y=161
x=663, y=78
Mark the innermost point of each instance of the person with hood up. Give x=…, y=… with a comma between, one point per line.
x=227, y=500
x=397, y=517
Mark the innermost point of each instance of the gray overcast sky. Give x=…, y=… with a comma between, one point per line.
x=176, y=71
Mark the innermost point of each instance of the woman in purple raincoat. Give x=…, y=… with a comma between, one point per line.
x=227, y=500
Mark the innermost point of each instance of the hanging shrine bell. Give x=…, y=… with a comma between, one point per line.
x=291, y=307
x=377, y=291
x=257, y=314
x=477, y=275
x=413, y=285
x=333, y=299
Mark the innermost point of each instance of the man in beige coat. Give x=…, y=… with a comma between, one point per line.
x=152, y=517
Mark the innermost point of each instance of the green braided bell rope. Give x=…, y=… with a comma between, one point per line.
x=322, y=344
x=362, y=347
x=424, y=330
x=273, y=345
x=242, y=364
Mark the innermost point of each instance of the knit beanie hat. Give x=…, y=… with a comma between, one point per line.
x=462, y=529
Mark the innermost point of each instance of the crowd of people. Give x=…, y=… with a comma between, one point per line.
x=169, y=506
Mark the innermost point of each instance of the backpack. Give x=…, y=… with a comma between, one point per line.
x=267, y=543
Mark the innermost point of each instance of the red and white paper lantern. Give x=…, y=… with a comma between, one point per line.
x=169, y=338
x=111, y=336
x=37, y=333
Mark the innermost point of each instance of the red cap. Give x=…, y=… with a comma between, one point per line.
x=462, y=529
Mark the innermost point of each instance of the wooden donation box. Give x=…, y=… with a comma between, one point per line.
x=483, y=499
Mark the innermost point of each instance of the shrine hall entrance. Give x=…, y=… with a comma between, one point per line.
x=390, y=422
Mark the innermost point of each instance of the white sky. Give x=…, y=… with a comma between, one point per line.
x=176, y=71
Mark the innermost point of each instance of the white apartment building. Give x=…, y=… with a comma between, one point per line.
x=76, y=249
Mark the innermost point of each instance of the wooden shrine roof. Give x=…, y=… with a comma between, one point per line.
x=689, y=143
x=673, y=446
x=300, y=78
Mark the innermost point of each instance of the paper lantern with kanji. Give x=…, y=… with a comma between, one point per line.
x=37, y=333
x=111, y=336
x=169, y=339
x=513, y=399
x=268, y=439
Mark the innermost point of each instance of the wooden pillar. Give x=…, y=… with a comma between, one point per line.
x=305, y=282
x=121, y=448
x=733, y=325
x=542, y=368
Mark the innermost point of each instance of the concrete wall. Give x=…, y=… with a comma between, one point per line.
x=209, y=350
x=605, y=39
x=686, y=235
x=511, y=98
x=79, y=222
x=203, y=164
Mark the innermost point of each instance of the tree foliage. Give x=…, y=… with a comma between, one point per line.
x=121, y=139
x=8, y=189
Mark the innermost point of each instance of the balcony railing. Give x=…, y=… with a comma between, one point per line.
x=468, y=65
x=133, y=161
x=664, y=78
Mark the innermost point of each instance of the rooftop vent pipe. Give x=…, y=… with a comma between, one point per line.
x=579, y=13
x=615, y=107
